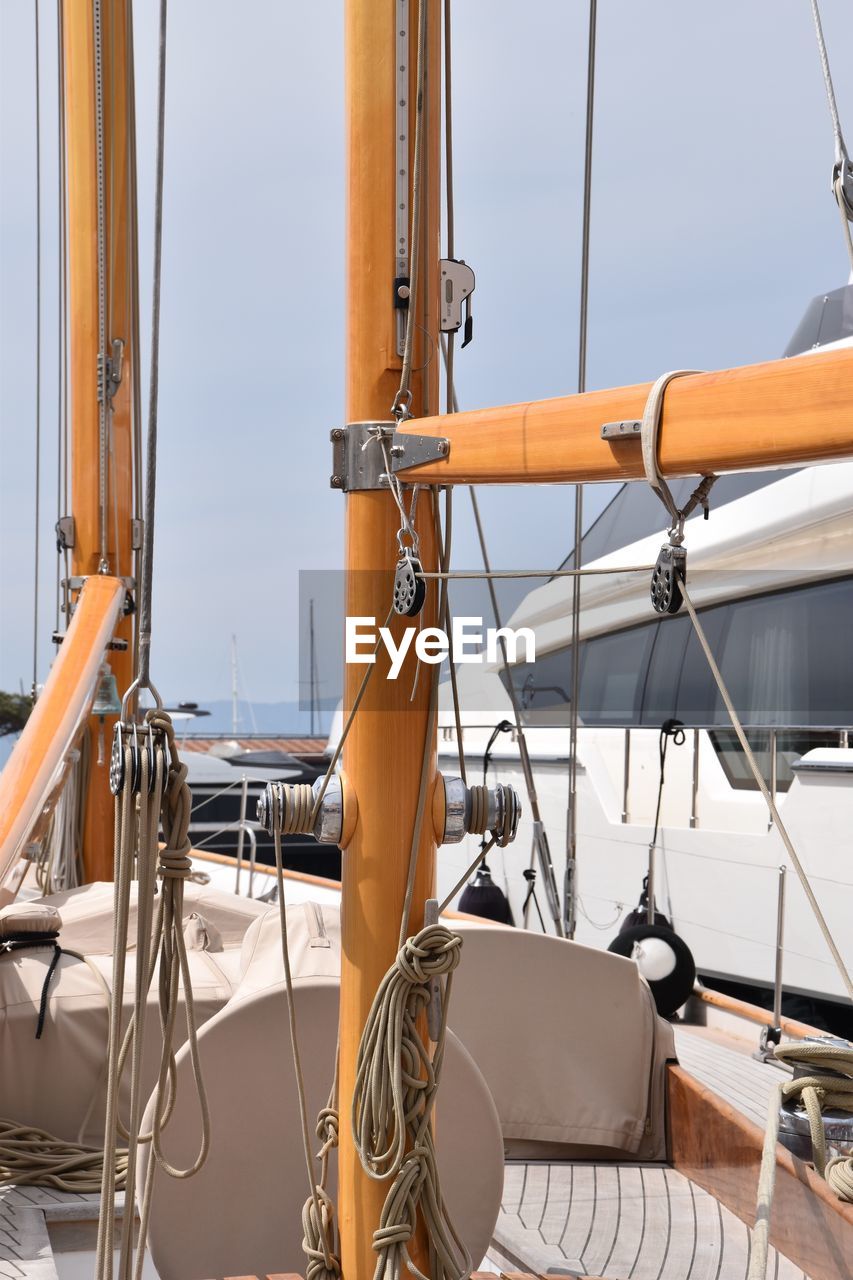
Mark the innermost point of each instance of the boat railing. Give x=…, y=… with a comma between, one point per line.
x=244, y=828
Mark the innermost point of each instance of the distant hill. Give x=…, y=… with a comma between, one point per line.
x=285, y=718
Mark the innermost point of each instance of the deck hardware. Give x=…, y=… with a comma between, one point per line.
x=296, y=803
x=842, y=185
x=65, y=533
x=110, y=369
x=669, y=571
x=628, y=429
x=402, y=292
x=454, y=297
x=358, y=461
x=409, y=586
x=410, y=450
x=76, y=583
x=137, y=533
x=477, y=810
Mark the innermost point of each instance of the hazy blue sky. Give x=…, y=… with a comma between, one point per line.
x=712, y=227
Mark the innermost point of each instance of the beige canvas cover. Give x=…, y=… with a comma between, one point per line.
x=242, y=1212
x=567, y=1036
x=57, y=1082
x=87, y=915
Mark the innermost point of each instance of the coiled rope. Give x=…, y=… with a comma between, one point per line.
x=816, y=1091
x=33, y=1157
x=158, y=794
x=396, y=1084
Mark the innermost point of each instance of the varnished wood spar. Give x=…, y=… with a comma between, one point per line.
x=752, y=1013
x=37, y=761
x=715, y=1146
x=384, y=751
x=783, y=413
x=79, y=62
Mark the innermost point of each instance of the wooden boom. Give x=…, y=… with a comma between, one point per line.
x=783, y=413
x=38, y=761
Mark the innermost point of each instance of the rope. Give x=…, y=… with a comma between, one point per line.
x=320, y=1242
x=669, y=729
x=161, y=796
x=444, y=545
x=490, y=574
x=526, y=767
x=815, y=1091
x=485, y=848
x=649, y=433
x=396, y=1084
x=31, y=1157
x=771, y=803
x=838, y=188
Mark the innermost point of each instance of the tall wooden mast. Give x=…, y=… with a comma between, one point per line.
x=79, y=55
x=384, y=751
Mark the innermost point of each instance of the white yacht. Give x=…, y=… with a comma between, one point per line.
x=772, y=573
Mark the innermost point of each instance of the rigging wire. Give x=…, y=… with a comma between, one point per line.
x=570, y=888
x=143, y=679
x=449, y=348
x=135, y=348
x=38, y=352
x=540, y=836
x=842, y=169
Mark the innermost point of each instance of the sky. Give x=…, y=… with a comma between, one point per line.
x=712, y=227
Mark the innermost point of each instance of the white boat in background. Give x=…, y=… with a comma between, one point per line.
x=772, y=574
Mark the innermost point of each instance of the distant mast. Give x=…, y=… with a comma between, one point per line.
x=312, y=667
x=235, y=697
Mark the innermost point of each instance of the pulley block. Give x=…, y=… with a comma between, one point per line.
x=409, y=586
x=141, y=741
x=668, y=573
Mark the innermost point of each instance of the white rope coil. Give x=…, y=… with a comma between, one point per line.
x=396, y=1084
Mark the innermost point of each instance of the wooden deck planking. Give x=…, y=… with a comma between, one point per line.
x=731, y=1072
x=615, y=1221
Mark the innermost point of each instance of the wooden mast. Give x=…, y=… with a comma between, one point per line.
x=82, y=250
x=384, y=752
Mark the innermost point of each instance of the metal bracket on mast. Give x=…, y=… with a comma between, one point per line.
x=457, y=285
x=110, y=370
x=359, y=461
